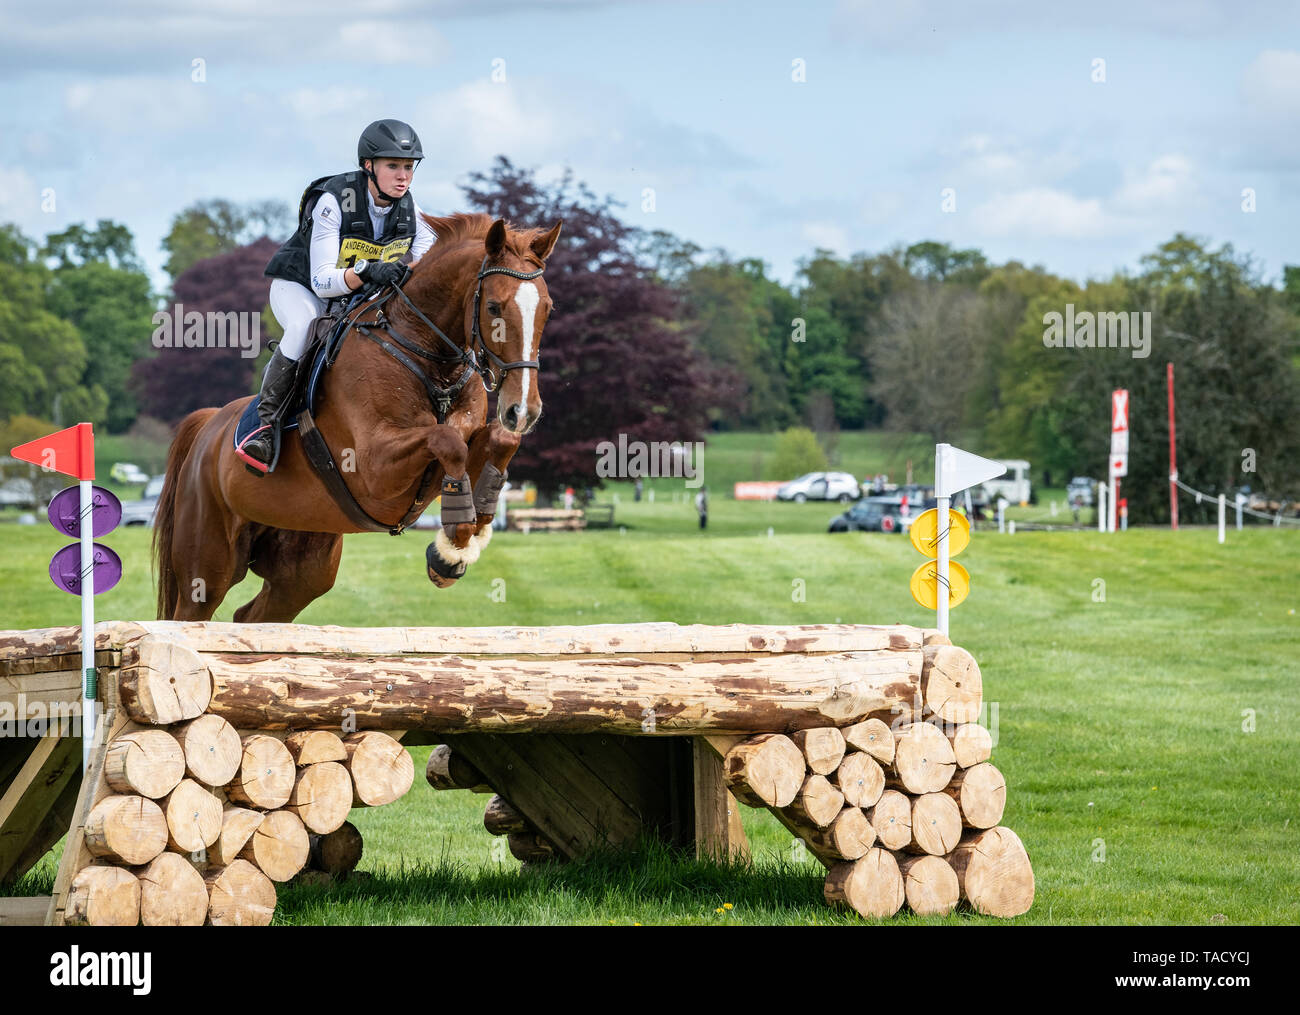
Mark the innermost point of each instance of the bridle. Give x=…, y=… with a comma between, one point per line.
x=492, y=369
x=476, y=338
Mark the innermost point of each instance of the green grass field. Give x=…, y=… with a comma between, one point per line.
x=1141, y=689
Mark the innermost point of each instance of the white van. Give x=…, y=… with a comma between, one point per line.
x=838, y=486
x=1012, y=484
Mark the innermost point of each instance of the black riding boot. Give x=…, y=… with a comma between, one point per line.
x=276, y=383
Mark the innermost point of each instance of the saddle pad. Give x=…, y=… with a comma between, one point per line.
x=248, y=422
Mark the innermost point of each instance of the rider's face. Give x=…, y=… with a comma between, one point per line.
x=394, y=175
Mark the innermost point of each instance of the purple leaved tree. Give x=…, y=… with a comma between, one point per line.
x=616, y=356
x=176, y=381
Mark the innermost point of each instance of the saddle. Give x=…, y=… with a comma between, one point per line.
x=325, y=336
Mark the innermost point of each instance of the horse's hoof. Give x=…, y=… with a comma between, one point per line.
x=442, y=573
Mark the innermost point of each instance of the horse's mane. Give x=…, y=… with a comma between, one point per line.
x=466, y=227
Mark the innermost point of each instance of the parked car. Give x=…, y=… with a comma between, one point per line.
x=128, y=473
x=1081, y=487
x=916, y=506
x=141, y=512
x=17, y=492
x=871, y=514
x=838, y=486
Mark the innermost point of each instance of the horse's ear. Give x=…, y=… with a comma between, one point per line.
x=544, y=244
x=496, y=239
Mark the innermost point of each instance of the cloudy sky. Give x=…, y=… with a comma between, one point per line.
x=1077, y=136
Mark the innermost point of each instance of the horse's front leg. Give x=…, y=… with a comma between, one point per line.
x=490, y=451
x=454, y=549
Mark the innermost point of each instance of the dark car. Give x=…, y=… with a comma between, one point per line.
x=871, y=514
x=141, y=512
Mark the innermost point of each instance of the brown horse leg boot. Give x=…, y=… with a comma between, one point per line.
x=446, y=561
x=259, y=447
x=488, y=489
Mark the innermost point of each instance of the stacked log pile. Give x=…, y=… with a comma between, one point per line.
x=904, y=812
x=212, y=758
x=902, y=807
x=198, y=823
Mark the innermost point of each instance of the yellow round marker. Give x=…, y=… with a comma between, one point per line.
x=925, y=584
x=925, y=532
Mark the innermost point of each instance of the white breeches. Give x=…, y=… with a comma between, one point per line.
x=295, y=307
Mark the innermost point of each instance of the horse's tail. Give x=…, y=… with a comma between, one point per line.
x=164, y=519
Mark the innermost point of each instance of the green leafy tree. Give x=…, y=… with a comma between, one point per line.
x=731, y=305
x=852, y=294
x=108, y=243
x=42, y=357
x=208, y=228
x=796, y=452
x=1231, y=339
x=924, y=359
x=100, y=287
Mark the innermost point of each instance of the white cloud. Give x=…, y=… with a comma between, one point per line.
x=941, y=23
x=1166, y=183
x=985, y=155
x=331, y=102
x=137, y=104
x=1004, y=161
x=830, y=235
x=156, y=35
x=881, y=207
x=1041, y=212
x=1272, y=83
x=481, y=118
x=551, y=120
x=379, y=42
x=20, y=199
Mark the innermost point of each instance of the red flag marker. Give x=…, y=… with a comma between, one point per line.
x=70, y=451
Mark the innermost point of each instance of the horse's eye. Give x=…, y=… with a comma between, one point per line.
x=494, y=308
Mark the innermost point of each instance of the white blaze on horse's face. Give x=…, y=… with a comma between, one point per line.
x=521, y=419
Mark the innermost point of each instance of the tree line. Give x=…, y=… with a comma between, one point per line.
x=658, y=339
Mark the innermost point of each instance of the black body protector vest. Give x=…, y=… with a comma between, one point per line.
x=356, y=238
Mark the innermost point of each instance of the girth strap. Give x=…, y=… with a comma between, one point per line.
x=322, y=461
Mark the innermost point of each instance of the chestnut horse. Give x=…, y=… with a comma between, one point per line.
x=215, y=520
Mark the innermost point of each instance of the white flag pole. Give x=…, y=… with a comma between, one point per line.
x=955, y=470
x=941, y=561
x=87, y=623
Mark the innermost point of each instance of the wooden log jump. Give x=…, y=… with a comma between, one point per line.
x=240, y=748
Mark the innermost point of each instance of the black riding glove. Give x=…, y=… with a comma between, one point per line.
x=382, y=273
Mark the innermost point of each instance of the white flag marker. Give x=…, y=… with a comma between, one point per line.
x=955, y=470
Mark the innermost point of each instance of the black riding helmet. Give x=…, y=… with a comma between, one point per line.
x=388, y=138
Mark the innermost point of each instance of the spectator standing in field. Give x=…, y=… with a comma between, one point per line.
x=702, y=506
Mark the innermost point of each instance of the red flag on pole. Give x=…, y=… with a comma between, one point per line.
x=70, y=451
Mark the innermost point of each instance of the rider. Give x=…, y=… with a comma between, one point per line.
x=344, y=241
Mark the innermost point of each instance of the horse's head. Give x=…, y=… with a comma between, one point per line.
x=508, y=312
